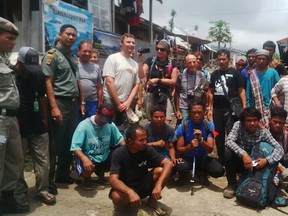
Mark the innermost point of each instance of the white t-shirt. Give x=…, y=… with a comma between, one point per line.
x=125, y=73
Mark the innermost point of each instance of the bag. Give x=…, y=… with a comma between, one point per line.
x=236, y=106
x=160, y=97
x=257, y=189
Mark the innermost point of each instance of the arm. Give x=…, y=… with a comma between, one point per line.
x=177, y=102
x=126, y=104
x=140, y=95
x=278, y=151
x=43, y=109
x=172, y=154
x=242, y=96
x=208, y=145
x=165, y=81
x=276, y=90
x=210, y=96
x=141, y=73
x=99, y=93
x=55, y=111
x=87, y=163
x=109, y=81
x=81, y=98
x=159, y=143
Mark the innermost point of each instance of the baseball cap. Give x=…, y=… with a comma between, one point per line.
x=7, y=26
x=106, y=113
x=30, y=58
x=262, y=52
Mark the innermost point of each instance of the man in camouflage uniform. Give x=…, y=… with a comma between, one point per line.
x=11, y=156
x=64, y=95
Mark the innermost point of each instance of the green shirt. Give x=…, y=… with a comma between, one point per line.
x=56, y=65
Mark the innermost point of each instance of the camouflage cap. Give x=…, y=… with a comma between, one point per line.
x=7, y=26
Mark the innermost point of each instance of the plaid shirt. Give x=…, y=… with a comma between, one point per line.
x=240, y=142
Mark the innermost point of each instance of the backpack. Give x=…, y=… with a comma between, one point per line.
x=184, y=128
x=257, y=189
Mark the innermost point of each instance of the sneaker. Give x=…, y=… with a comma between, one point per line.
x=88, y=184
x=229, y=192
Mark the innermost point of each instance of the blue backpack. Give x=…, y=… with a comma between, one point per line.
x=257, y=188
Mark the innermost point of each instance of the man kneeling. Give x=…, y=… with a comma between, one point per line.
x=130, y=178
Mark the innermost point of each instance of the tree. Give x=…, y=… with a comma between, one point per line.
x=171, y=21
x=220, y=32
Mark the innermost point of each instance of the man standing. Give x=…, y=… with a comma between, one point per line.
x=92, y=143
x=11, y=155
x=130, y=177
x=121, y=78
x=64, y=94
x=187, y=81
x=251, y=58
x=90, y=76
x=226, y=83
x=270, y=46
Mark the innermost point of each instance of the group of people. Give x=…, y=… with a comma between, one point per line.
x=68, y=106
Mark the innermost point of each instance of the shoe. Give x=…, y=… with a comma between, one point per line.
x=203, y=179
x=156, y=206
x=53, y=189
x=88, y=184
x=229, y=192
x=102, y=180
x=68, y=180
x=10, y=205
x=46, y=198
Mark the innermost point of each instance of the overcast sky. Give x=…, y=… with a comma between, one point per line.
x=252, y=22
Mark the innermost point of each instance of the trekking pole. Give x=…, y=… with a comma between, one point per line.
x=193, y=175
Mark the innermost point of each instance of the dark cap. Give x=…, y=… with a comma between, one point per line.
x=65, y=26
x=106, y=112
x=30, y=58
x=7, y=26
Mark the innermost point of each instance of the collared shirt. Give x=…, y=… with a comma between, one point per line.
x=240, y=142
x=282, y=139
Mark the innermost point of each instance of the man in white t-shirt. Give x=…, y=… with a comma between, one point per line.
x=121, y=78
x=90, y=77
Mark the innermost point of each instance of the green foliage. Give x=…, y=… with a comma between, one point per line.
x=276, y=56
x=171, y=21
x=220, y=32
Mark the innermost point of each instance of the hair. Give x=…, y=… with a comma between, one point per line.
x=249, y=112
x=278, y=112
x=84, y=41
x=223, y=51
x=157, y=108
x=131, y=131
x=95, y=51
x=126, y=35
x=165, y=44
x=196, y=102
x=269, y=44
x=253, y=50
x=65, y=26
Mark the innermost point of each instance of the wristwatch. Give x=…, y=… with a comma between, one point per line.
x=201, y=140
x=83, y=103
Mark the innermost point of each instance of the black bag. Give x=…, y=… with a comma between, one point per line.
x=160, y=97
x=236, y=106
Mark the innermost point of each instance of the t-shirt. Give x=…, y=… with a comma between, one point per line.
x=95, y=141
x=30, y=90
x=267, y=80
x=159, y=70
x=232, y=81
x=90, y=77
x=124, y=71
x=186, y=85
x=132, y=168
x=190, y=127
x=167, y=135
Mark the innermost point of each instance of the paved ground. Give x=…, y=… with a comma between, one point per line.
x=75, y=201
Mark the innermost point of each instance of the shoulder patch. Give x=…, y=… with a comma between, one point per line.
x=51, y=51
x=49, y=59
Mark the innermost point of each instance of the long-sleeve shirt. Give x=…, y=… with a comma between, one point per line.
x=241, y=142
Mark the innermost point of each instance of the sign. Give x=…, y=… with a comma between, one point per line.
x=106, y=43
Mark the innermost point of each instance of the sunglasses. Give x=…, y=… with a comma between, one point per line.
x=160, y=49
x=200, y=59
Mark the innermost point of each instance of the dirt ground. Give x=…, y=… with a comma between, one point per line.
x=73, y=200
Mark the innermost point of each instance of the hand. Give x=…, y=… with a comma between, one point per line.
x=194, y=143
x=152, y=81
x=161, y=143
x=247, y=160
x=124, y=106
x=134, y=198
x=197, y=134
x=178, y=115
x=175, y=161
x=209, y=114
x=278, y=105
x=88, y=165
x=249, y=73
x=56, y=115
x=82, y=109
x=261, y=162
x=156, y=192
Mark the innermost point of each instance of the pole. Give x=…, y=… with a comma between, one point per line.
x=150, y=22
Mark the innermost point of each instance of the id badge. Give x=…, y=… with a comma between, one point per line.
x=36, y=106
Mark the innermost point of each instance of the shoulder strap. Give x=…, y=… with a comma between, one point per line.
x=207, y=128
x=152, y=65
x=69, y=61
x=184, y=128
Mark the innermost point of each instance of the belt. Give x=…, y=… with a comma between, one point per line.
x=67, y=98
x=8, y=112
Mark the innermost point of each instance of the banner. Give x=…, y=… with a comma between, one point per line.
x=106, y=43
x=59, y=13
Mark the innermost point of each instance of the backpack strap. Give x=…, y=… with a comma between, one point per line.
x=207, y=128
x=152, y=65
x=184, y=128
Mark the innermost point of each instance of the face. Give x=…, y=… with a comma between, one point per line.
x=240, y=65
x=197, y=114
x=85, y=52
x=7, y=42
x=271, y=51
x=139, y=142
x=158, y=118
x=128, y=45
x=276, y=124
x=223, y=61
x=98, y=122
x=251, y=124
x=251, y=58
x=161, y=51
x=200, y=62
x=68, y=37
x=191, y=63
x=261, y=61
x=94, y=58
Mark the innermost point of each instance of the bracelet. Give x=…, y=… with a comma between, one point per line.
x=159, y=81
x=208, y=108
x=83, y=103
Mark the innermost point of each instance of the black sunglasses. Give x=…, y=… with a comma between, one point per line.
x=200, y=59
x=161, y=49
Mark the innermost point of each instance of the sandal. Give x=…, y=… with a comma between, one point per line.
x=156, y=206
x=47, y=198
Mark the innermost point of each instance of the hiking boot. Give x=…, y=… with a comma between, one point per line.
x=229, y=192
x=88, y=184
x=10, y=205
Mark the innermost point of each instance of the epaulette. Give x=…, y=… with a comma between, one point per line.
x=52, y=50
x=50, y=56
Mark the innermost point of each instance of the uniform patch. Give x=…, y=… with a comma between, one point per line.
x=49, y=59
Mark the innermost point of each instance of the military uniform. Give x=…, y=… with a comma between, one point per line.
x=63, y=67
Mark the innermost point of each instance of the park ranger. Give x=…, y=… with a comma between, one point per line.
x=11, y=156
x=64, y=96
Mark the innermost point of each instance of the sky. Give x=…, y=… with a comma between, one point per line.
x=252, y=22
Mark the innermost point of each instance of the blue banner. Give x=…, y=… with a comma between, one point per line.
x=59, y=13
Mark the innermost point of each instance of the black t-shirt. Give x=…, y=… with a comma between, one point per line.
x=30, y=121
x=232, y=81
x=133, y=167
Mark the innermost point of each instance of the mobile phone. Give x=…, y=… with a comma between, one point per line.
x=144, y=50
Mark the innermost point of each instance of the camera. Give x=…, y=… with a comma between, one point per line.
x=190, y=94
x=144, y=50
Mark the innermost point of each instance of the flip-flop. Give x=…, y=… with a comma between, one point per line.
x=157, y=208
x=47, y=198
